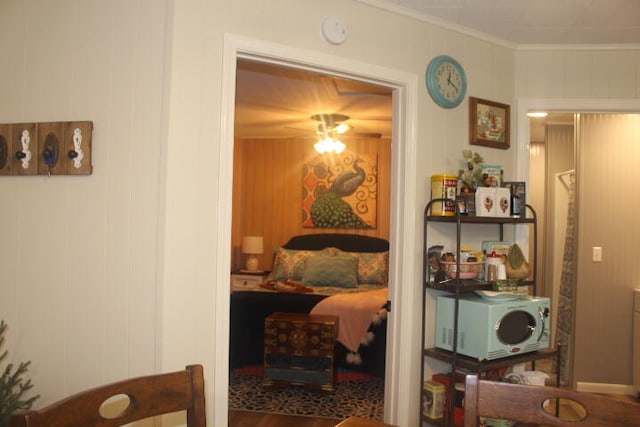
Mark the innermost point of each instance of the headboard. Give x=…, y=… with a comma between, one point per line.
x=345, y=242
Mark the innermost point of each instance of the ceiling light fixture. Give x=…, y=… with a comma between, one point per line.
x=330, y=125
x=329, y=145
x=537, y=114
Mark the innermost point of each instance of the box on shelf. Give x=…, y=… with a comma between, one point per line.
x=485, y=201
x=433, y=400
x=503, y=197
x=493, y=201
x=502, y=248
x=492, y=175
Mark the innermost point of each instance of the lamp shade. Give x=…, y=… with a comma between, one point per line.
x=252, y=245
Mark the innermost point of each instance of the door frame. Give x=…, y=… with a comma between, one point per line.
x=522, y=154
x=403, y=262
x=560, y=106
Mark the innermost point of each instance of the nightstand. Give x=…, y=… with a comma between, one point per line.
x=245, y=281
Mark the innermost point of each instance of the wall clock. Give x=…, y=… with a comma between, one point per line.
x=446, y=81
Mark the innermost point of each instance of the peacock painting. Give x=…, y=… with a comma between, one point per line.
x=340, y=192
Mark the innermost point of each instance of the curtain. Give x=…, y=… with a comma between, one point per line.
x=566, y=301
x=561, y=234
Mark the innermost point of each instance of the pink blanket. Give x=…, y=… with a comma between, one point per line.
x=355, y=313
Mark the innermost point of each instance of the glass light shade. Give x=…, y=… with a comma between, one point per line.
x=537, y=114
x=329, y=145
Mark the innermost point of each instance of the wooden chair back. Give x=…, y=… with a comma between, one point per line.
x=525, y=404
x=147, y=396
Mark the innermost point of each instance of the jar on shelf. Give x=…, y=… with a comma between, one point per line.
x=492, y=266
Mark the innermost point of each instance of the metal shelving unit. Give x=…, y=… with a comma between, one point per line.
x=458, y=287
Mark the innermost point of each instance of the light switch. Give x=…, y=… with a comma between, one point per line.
x=596, y=255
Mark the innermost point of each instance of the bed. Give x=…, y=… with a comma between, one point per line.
x=320, y=273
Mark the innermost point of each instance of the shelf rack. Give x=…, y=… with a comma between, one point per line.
x=458, y=286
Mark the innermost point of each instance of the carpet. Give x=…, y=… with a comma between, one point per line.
x=355, y=394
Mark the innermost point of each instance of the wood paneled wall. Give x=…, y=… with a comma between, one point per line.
x=267, y=191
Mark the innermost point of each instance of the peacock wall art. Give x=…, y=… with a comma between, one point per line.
x=340, y=191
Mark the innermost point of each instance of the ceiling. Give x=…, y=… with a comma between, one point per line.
x=276, y=101
x=533, y=22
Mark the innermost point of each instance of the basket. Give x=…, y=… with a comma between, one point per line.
x=468, y=270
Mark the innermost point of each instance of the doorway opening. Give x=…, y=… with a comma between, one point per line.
x=399, y=401
x=552, y=153
x=589, y=169
x=280, y=114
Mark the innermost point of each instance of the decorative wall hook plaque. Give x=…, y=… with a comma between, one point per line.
x=47, y=148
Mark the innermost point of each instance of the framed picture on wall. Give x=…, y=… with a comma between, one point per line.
x=488, y=123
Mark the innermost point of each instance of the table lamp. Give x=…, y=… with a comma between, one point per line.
x=251, y=246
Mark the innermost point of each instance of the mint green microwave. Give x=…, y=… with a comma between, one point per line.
x=491, y=328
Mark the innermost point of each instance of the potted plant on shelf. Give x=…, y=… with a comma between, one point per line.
x=469, y=177
x=12, y=386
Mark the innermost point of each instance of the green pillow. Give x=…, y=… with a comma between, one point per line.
x=338, y=271
x=289, y=263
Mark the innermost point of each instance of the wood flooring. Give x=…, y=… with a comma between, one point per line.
x=238, y=418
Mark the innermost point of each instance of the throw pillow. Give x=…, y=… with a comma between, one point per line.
x=289, y=263
x=339, y=271
x=373, y=267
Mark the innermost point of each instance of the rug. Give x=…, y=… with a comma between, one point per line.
x=355, y=394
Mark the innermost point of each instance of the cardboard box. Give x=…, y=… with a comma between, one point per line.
x=493, y=201
x=492, y=175
x=485, y=201
x=503, y=202
x=498, y=247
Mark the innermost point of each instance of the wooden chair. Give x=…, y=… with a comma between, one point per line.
x=525, y=404
x=147, y=397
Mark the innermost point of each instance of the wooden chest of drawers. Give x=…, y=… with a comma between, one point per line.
x=299, y=349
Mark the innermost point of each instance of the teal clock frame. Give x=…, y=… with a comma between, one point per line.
x=432, y=85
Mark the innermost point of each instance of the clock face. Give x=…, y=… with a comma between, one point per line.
x=446, y=81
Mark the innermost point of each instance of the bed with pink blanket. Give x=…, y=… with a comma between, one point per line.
x=341, y=274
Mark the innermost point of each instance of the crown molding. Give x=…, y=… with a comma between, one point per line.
x=411, y=13
x=603, y=46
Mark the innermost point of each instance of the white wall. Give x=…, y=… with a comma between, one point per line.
x=589, y=74
x=78, y=259
x=141, y=229
x=375, y=37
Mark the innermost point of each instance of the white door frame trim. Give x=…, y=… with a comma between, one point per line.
x=402, y=262
x=561, y=105
x=571, y=105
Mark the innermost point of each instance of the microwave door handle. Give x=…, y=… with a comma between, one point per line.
x=543, y=314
